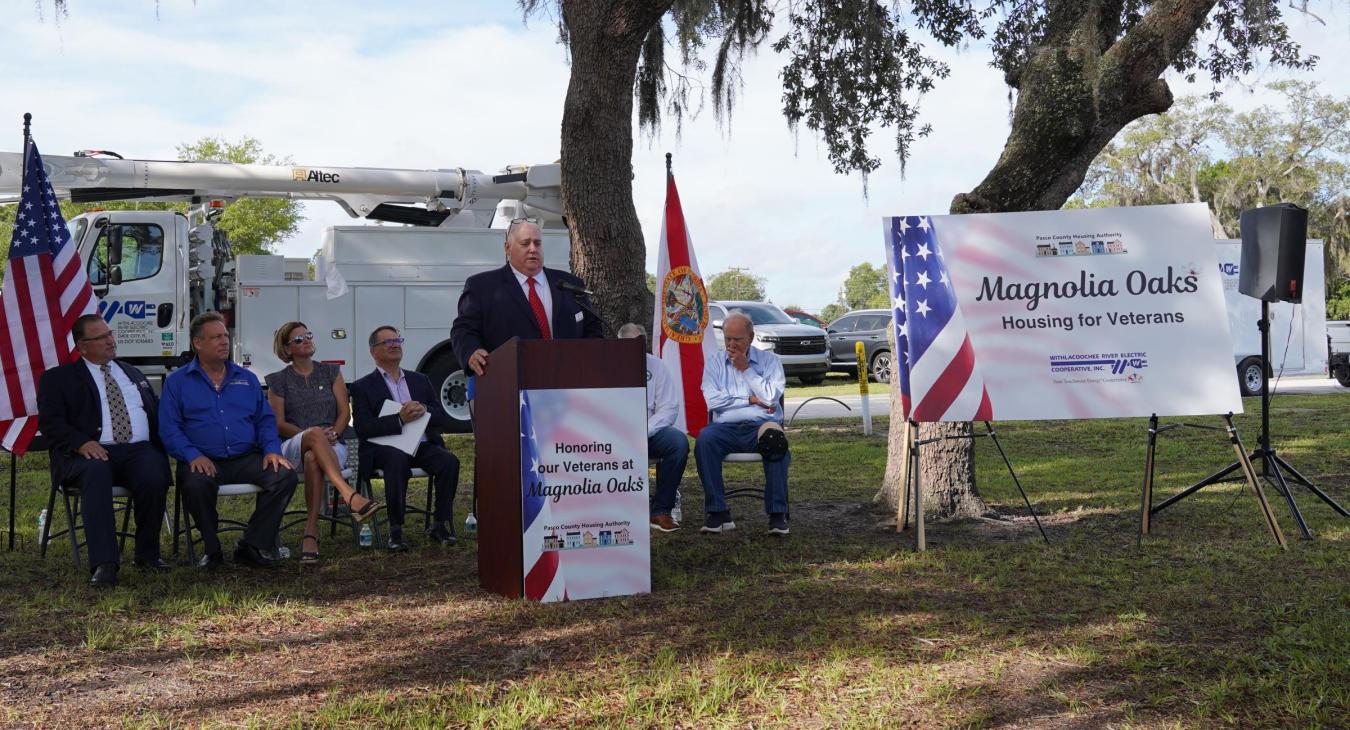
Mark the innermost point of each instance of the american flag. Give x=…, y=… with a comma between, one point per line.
x=939, y=378
x=543, y=579
x=45, y=291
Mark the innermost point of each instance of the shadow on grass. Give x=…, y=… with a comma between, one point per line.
x=837, y=625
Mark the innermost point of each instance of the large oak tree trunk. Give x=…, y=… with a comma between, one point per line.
x=605, y=40
x=1075, y=92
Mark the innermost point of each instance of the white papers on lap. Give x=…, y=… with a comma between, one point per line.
x=412, y=431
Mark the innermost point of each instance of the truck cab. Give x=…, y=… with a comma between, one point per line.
x=135, y=261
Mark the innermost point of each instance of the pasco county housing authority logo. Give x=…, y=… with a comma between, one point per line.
x=1077, y=244
x=684, y=305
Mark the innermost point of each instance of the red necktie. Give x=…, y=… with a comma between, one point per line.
x=540, y=316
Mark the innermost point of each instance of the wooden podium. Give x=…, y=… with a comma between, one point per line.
x=517, y=366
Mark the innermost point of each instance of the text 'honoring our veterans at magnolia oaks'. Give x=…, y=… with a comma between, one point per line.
x=1096, y=313
x=568, y=476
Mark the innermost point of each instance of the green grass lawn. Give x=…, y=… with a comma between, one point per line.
x=835, y=384
x=1205, y=624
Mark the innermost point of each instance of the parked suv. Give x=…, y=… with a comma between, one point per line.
x=801, y=347
x=868, y=326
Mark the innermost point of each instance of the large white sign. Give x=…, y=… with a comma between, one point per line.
x=584, y=493
x=1060, y=314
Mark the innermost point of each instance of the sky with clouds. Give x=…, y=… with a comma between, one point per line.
x=467, y=83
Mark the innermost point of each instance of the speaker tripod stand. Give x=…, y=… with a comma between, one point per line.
x=1274, y=469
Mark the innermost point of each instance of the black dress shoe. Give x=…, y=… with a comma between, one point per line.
x=153, y=565
x=246, y=554
x=396, y=544
x=105, y=576
x=442, y=533
x=211, y=561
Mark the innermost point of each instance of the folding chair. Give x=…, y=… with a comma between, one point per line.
x=70, y=498
x=223, y=524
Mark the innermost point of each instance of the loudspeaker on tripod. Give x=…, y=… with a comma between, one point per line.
x=1274, y=244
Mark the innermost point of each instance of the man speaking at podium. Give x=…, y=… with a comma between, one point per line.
x=521, y=299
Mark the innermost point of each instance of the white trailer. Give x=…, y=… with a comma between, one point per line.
x=1297, y=331
x=154, y=270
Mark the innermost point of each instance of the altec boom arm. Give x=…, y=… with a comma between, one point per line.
x=419, y=197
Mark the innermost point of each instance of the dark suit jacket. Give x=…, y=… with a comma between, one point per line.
x=493, y=309
x=369, y=393
x=70, y=413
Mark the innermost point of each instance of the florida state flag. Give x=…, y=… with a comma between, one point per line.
x=681, y=312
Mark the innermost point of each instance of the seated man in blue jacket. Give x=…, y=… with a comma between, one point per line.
x=215, y=419
x=413, y=391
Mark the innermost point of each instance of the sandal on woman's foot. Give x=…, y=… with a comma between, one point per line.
x=308, y=557
x=366, y=512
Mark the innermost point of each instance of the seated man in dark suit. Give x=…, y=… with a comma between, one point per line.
x=413, y=390
x=521, y=299
x=101, y=418
x=214, y=419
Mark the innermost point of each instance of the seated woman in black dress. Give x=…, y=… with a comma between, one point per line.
x=312, y=409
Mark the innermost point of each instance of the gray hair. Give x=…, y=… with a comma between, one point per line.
x=632, y=329
x=741, y=315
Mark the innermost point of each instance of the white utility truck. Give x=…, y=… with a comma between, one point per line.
x=1298, y=343
x=154, y=270
x=1338, y=351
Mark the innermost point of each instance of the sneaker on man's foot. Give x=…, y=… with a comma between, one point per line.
x=664, y=523
x=778, y=524
x=718, y=522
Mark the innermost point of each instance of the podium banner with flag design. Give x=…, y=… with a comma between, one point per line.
x=1095, y=313
x=584, y=490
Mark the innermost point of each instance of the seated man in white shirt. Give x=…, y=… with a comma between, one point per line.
x=665, y=441
x=743, y=387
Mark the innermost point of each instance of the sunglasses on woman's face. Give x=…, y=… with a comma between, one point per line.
x=307, y=337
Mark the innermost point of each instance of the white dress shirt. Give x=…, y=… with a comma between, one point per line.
x=663, y=397
x=540, y=288
x=140, y=422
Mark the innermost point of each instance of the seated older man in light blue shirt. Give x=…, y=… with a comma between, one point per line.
x=743, y=387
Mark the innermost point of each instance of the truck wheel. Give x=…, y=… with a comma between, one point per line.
x=1250, y=374
x=1342, y=375
x=881, y=366
x=451, y=385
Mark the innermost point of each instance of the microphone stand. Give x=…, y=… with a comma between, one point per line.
x=577, y=296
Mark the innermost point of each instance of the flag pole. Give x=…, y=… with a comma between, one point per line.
x=667, y=163
x=27, y=142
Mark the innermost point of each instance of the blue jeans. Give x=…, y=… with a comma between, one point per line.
x=717, y=440
x=671, y=446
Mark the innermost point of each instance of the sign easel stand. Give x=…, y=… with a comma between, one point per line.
x=914, y=487
x=1244, y=462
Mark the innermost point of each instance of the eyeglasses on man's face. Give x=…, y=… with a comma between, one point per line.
x=391, y=341
x=96, y=338
x=299, y=339
x=531, y=220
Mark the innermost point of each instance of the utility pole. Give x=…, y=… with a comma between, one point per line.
x=740, y=280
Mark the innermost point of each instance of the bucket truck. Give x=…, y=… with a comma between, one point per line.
x=154, y=270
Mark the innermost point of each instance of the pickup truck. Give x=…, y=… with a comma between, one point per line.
x=1338, y=351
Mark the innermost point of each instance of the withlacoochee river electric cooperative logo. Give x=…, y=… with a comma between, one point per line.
x=1099, y=367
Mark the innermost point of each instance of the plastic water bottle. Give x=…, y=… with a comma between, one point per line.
x=471, y=524
x=677, y=514
x=283, y=552
x=42, y=523
x=367, y=536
